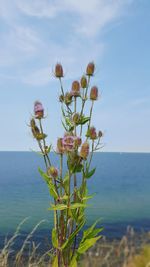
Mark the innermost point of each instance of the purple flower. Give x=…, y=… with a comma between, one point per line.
x=38, y=110
x=68, y=142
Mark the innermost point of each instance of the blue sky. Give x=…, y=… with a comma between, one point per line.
x=36, y=34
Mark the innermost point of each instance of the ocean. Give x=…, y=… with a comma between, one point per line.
x=121, y=186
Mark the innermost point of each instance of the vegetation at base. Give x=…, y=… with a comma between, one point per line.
x=133, y=250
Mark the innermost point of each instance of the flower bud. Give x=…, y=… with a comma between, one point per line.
x=58, y=71
x=90, y=69
x=75, y=90
x=60, y=147
x=41, y=136
x=61, y=98
x=35, y=131
x=68, y=98
x=84, y=150
x=38, y=110
x=83, y=82
x=92, y=133
x=94, y=93
x=76, y=118
x=52, y=171
x=100, y=134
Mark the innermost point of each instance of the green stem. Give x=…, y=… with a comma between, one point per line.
x=44, y=143
x=83, y=102
x=91, y=154
x=91, y=110
x=61, y=86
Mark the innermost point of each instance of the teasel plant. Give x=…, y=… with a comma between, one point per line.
x=68, y=187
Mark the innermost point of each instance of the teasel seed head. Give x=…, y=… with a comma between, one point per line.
x=52, y=171
x=94, y=93
x=68, y=98
x=92, y=133
x=75, y=90
x=100, y=134
x=61, y=98
x=83, y=82
x=76, y=118
x=59, y=71
x=84, y=152
x=38, y=110
x=90, y=69
x=60, y=147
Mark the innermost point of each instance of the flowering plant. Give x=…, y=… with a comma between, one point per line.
x=69, y=202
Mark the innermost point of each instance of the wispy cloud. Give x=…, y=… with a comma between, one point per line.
x=91, y=16
x=25, y=41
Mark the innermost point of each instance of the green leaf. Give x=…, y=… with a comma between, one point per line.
x=88, y=231
x=71, y=237
x=84, y=246
x=73, y=263
x=52, y=190
x=84, y=120
x=77, y=168
x=91, y=232
x=68, y=122
x=44, y=175
x=95, y=232
x=54, y=238
x=55, y=262
x=77, y=205
x=88, y=197
x=89, y=174
x=58, y=207
x=64, y=197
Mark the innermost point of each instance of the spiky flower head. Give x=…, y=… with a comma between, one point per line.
x=68, y=142
x=84, y=152
x=60, y=147
x=94, y=93
x=38, y=110
x=76, y=118
x=100, y=134
x=52, y=171
x=75, y=90
x=92, y=133
x=90, y=69
x=61, y=98
x=68, y=98
x=83, y=82
x=59, y=71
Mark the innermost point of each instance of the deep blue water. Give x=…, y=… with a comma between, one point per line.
x=121, y=184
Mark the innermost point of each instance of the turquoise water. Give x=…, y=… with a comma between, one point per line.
x=121, y=184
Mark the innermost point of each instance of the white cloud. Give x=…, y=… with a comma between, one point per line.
x=25, y=42
x=91, y=16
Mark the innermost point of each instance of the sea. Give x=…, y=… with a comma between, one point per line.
x=120, y=188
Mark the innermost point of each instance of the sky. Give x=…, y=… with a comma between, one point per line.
x=35, y=35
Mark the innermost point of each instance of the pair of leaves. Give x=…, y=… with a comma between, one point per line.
x=87, y=244
x=88, y=174
x=83, y=120
x=89, y=238
x=64, y=206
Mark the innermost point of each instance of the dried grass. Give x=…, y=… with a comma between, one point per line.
x=116, y=253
